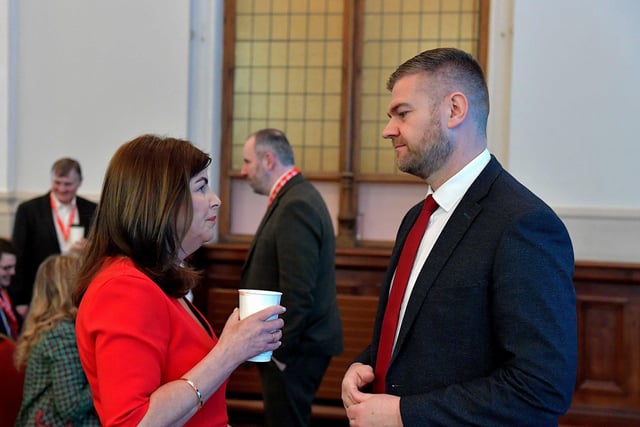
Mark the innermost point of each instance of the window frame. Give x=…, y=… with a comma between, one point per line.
x=348, y=178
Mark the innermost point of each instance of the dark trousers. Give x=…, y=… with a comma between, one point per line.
x=288, y=395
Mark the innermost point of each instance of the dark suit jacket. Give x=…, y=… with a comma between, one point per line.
x=293, y=251
x=34, y=237
x=3, y=317
x=489, y=336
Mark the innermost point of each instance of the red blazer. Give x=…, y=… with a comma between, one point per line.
x=132, y=338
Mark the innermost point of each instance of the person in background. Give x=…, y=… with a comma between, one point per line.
x=10, y=318
x=50, y=224
x=56, y=392
x=293, y=252
x=12, y=383
x=150, y=356
x=486, y=329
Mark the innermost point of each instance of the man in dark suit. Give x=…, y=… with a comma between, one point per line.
x=293, y=251
x=10, y=319
x=54, y=223
x=486, y=329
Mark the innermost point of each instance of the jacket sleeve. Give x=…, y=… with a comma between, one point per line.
x=534, y=326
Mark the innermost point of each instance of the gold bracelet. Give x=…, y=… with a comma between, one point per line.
x=196, y=390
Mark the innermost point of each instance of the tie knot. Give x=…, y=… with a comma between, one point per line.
x=430, y=204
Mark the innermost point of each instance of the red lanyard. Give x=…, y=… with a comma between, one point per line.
x=64, y=230
x=282, y=181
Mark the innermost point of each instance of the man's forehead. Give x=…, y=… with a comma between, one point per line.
x=411, y=90
x=7, y=258
x=71, y=176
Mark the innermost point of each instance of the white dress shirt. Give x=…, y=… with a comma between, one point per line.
x=447, y=196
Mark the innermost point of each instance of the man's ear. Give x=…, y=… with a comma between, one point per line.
x=458, y=107
x=269, y=160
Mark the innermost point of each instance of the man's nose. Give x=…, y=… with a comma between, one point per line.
x=390, y=130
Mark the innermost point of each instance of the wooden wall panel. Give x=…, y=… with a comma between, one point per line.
x=607, y=391
x=604, y=366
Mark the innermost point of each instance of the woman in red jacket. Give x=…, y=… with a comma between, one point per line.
x=150, y=356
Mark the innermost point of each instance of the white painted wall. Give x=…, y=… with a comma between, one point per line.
x=574, y=134
x=574, y=103
x=91, y=75
x=80, y=77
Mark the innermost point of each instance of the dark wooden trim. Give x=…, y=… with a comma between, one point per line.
x=349, y=122
x=607, y=390
x=311, y=176
x=226, y=135
x=593, y=416
x=483, y=35
x=599, y=271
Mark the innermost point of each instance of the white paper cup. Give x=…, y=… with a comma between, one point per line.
x=253, y=300
x=76, y=233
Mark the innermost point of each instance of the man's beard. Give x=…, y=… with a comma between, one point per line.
x=259, y=182
x=433, y=152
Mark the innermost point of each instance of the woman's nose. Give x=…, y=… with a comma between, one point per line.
x=215, y=200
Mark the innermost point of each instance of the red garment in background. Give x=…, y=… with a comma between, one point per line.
x=12, y=383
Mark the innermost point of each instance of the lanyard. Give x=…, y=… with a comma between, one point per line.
x=281, y=182
x=64, y=230
x=5, y=303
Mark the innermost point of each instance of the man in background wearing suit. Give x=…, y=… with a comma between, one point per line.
x=10, y=319
x=293, y=252
x=486, y=327
x=54, y=223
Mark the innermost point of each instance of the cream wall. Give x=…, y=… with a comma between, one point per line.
x=79, y=78
x=574, y=129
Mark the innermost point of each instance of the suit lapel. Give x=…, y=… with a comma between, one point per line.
x=460, y=221
x=256, y=236
x=269, y=213
x=47, y=216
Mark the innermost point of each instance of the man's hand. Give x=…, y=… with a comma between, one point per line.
x=78, y=245
x=281, y=366
x=357, y=377
x=367, y=409
x=375, y=410
x=23, y=310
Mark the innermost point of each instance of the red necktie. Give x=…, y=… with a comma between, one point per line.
x=400, y=280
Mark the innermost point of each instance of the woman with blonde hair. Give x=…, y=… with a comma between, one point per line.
x=56, y=391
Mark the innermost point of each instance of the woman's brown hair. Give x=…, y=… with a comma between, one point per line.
x=145, y=193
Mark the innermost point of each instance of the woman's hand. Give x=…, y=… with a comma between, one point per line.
x=254, y=334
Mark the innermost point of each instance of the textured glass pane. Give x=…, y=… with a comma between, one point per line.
x=288, y=75
x=394, y=31
x=288, y=70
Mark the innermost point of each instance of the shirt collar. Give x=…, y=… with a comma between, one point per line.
x=60, y=205
x=451, y=192
x=281, y=181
